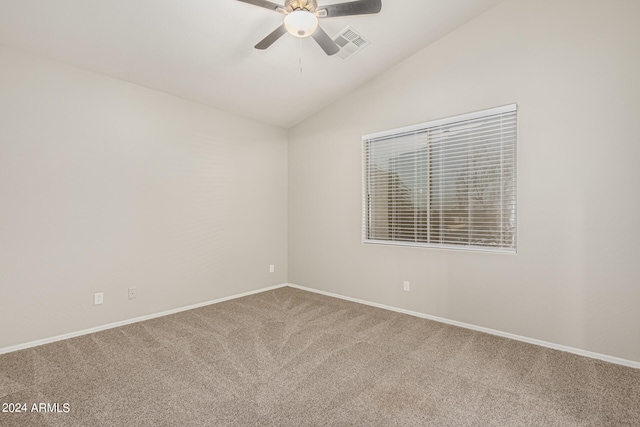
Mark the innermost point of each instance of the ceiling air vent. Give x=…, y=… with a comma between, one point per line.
x=350, y=43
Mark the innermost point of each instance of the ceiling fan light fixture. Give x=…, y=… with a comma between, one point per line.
x=301, y=23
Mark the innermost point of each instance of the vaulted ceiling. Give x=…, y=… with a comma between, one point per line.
x=202, y=50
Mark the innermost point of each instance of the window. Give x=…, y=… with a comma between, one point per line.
x=447, y=183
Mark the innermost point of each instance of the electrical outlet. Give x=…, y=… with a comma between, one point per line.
x=272, y=268
x=133, y=293
x=98, y=298
x=407, y=287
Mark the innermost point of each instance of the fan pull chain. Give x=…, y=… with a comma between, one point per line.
x=300, y=57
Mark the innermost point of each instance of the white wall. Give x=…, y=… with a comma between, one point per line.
x=105, y=185
x=573, y=68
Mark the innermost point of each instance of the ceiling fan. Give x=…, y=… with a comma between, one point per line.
x=301, y=19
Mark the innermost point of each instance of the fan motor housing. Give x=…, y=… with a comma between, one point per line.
x=310, y=5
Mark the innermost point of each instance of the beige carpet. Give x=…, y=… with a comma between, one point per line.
x=293, y=358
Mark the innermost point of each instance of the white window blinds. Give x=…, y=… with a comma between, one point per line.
x=447, y=183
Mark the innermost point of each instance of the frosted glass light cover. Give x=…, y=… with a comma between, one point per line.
x=301, y=23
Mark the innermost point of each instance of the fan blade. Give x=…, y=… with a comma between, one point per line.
x=264, y=3
x=322, y=38
x=271, y=38
x=361, y=7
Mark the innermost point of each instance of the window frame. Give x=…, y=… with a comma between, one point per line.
x=425, y=127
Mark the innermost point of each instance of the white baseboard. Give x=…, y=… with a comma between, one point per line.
x=554, y=346
x=130, y=321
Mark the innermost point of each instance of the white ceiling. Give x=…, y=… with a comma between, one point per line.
x=202, y=50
